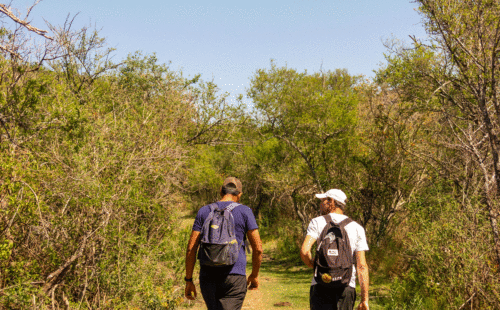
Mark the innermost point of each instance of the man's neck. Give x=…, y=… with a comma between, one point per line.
x=338, y=211
x=230, y=197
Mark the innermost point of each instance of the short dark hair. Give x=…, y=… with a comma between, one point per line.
x=229, y=188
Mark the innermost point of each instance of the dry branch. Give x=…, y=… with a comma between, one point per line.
x=6, y=10
x=53, y=278
x=8, y=50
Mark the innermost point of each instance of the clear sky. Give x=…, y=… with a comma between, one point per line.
x=227, y=41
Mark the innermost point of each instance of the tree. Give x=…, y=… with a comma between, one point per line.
x=468, y=35
x=311, y=118
x=452, y=79
x=387, y=175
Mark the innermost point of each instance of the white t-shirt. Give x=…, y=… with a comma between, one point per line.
x=355, y=232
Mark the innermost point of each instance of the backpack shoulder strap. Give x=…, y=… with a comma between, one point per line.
x=351, y=258
x=328, y=220
x=213, y=206
x=208, y=219
x=232, y=206
x=345, y=222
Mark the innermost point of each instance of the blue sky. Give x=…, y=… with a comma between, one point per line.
x=227, y=41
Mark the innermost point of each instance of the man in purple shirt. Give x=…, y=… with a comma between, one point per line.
x=224, y=288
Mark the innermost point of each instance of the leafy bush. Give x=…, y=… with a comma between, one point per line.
x=288, y=237
x=91, y=170
x=450, y=262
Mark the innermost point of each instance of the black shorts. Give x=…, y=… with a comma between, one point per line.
x=323, y=298
x=223, y=293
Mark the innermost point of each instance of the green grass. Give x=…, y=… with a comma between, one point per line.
x=282, y=283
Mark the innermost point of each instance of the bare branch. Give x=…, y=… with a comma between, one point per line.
x=8, y=50
x=6, y=10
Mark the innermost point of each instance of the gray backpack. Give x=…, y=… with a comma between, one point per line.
x=218, y=244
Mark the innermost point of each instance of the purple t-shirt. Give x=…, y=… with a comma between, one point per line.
x=244, y=220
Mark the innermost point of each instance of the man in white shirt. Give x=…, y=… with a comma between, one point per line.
x=342, y=298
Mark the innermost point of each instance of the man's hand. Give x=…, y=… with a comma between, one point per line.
x=253, y=281
x=363, y=306
x=190, y=291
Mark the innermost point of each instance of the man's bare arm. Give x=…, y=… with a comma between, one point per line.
x=254, y=239
x=364, y=279
x=305, y=251
x=192, y=248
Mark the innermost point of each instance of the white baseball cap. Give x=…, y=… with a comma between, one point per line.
x=336, y=194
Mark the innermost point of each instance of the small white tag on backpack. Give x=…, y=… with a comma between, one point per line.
x=333, y=252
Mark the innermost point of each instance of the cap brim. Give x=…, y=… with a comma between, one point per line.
x=321, y=196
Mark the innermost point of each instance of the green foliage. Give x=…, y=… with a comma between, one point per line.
x=88, y=208
x=148, y=278
x=307, y=110
x=5, y=249
x=443, y=274
x=406, y=71
x=402, y=299
x=453, y=79
x=306, y=124
x=288, y=236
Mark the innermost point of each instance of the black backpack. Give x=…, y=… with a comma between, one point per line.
x=333, y=263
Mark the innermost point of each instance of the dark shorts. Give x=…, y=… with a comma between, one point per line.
x=223, y=293
x=322, y=298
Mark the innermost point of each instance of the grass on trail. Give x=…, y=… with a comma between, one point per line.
x=284, y=285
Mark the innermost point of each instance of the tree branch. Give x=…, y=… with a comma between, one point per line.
x=6, y=10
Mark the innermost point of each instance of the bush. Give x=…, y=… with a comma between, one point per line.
x=449, y=259
x=288, y=240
